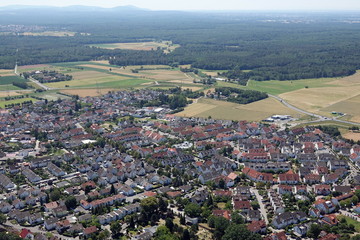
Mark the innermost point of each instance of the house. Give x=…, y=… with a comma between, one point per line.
x=288, y=218
x=55, y=170
x=26, y=234
x=257, y=227
x=326, y=207
x=301, y=229
x=330, y=219
x=242, y=206
x=50, y=224
x=61, y=226
x=322, y=189
x=289, y=178
x=89, y=231
x=222, y=213
x=6, y=183
x=285, y=189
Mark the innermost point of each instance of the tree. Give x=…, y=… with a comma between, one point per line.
x=103, y=235
x=239, y=232
x=192, y=210
x=169, y=224
x=55, y=194
x=314, y=231
x=112, y=189
x=236, y=218
x=185, y=235
x=115, y=228
x=70, y=202
x=162, y=205
x=149, y=205
x=220, y=225
x=2, y=218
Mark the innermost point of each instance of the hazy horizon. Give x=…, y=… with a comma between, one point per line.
x=188, y=5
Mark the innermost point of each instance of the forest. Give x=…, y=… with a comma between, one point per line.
x=274, y=46
x=240, y=96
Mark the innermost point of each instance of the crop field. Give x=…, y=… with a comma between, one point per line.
x=144, y=46
x=10, y=79
x=89, y=92
x=256, y=111
x=339, y=95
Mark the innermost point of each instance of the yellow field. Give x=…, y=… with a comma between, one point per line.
x=144, y=46
x=6, y=72
x=9, y=94
x=339, y=95
x=351, y=135
x=86, y=92
x=256, y=111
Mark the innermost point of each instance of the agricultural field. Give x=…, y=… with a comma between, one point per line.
x=15, y=101
x=340, y=95
x=88, y=92
x=256, y=111
x=168, y=46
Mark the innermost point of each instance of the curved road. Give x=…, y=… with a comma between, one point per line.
x=320, y=118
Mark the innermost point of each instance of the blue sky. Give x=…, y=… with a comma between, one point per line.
x=203, y=4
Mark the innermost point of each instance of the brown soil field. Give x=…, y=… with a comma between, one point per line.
x=352, y=135
x=10, y=93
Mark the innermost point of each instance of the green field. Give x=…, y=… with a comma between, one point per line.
x=10, y=79
x=275, y=87
x=21, y=100
x=351, y=221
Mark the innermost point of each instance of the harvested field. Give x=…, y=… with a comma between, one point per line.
x=9, y=94
x=143, y=46
x=352, y=136
x=256, y=111
x=90, y=92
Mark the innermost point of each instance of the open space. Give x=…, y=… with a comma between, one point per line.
x=256, y=111
x=167, y=46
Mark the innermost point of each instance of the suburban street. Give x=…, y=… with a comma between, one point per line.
x=262, y=206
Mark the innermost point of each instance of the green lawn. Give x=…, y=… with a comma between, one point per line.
x=10, y=79
x=119, y=84
x=9, y=87
x=351, y=221
x=21, y=100
x=276, y=87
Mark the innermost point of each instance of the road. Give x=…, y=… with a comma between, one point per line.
x=262, y=206
x=320, y=118
x=37, y=229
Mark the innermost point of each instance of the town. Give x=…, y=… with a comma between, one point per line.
x=116, y=167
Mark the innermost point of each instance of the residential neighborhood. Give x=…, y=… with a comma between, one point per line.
x=113, y=166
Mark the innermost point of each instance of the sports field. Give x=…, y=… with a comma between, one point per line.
x=256, y=111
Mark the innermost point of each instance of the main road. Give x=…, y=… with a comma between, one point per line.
x=320, y=118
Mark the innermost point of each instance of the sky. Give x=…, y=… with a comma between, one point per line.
x=298, y=5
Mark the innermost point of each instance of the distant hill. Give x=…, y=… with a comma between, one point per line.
x=74, y=8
